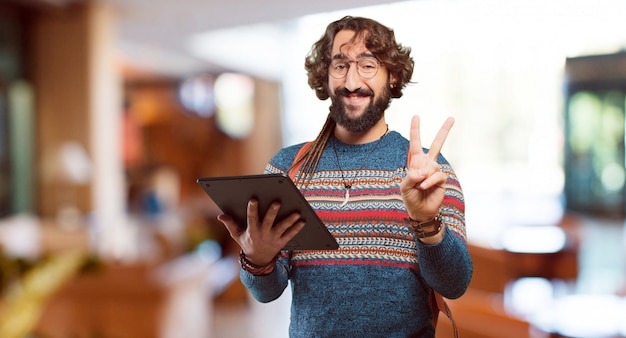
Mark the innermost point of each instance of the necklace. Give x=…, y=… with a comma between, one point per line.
x=348, y=185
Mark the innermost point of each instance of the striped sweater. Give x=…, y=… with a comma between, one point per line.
x=377, y=283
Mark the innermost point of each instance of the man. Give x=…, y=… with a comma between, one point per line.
x=399, y=223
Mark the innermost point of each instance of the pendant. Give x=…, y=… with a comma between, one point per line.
x=347, y=197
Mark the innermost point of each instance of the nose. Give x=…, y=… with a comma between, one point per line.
x=353, y=79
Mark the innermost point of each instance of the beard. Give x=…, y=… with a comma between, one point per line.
x=372, y=114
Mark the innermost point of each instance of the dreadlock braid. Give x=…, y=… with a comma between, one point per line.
x=310, y=158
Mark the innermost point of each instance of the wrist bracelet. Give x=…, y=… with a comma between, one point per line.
x=257, y=270
x=419, y=227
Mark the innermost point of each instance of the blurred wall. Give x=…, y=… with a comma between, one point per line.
x=78, y=88
x=67, y=48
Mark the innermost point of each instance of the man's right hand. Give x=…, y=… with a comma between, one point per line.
x=261, y=240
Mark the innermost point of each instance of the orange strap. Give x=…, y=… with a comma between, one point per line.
x=438, y=304
x=292, y=172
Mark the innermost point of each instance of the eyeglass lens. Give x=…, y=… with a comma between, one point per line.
x=366, y=67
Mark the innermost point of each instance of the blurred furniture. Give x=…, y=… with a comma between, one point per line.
x=540, y=251
x=549, y=252
x=115, y=301
x=134, y=300
x=583, y=316
x=480, y=314
x=494, y=268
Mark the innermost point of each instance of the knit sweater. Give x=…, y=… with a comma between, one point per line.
x=377, y=283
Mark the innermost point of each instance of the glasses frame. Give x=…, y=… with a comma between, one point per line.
x=358, y=69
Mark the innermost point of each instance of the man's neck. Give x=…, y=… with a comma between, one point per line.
x=371, y=135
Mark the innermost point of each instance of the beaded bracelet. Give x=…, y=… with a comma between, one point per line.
x=257, y=270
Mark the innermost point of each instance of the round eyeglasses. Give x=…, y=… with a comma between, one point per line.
x=367, y=67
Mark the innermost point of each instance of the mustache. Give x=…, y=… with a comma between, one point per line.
x=343, y=91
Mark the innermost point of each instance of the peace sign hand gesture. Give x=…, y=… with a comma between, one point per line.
x=424, y=186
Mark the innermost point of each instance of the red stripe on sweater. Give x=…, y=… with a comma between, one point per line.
x=354, y=262
x=454, y=202
x=376, y=214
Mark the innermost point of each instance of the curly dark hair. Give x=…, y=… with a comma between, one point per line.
x=379, y=40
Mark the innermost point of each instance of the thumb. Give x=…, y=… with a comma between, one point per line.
x=230, y=224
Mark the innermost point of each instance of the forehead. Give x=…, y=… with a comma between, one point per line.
x=343, y=44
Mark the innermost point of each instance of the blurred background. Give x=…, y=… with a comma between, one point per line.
x=111, y=109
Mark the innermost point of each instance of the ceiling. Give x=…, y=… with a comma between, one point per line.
x=153, y=33
x=169, y=21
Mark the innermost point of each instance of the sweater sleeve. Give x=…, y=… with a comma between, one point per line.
x=447, y=265
x=269, y=287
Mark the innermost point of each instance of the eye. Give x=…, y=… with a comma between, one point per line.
x=367, y=64
x=340, y=65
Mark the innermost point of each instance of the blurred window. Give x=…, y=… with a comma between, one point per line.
x=595, y=172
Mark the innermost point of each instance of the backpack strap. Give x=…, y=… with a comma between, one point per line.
x=298, y=159
x=438, y=304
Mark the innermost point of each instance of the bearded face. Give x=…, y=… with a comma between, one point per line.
x=348, y=116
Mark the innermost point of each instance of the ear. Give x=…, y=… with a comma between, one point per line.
x=393, y=81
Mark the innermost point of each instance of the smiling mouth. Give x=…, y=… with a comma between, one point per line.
x=358, y=92
x=356, y=98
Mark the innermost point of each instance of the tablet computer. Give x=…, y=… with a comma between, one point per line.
x=232, y=193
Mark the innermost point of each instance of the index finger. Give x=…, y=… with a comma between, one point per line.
x=440, y=138
x=415, y=145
